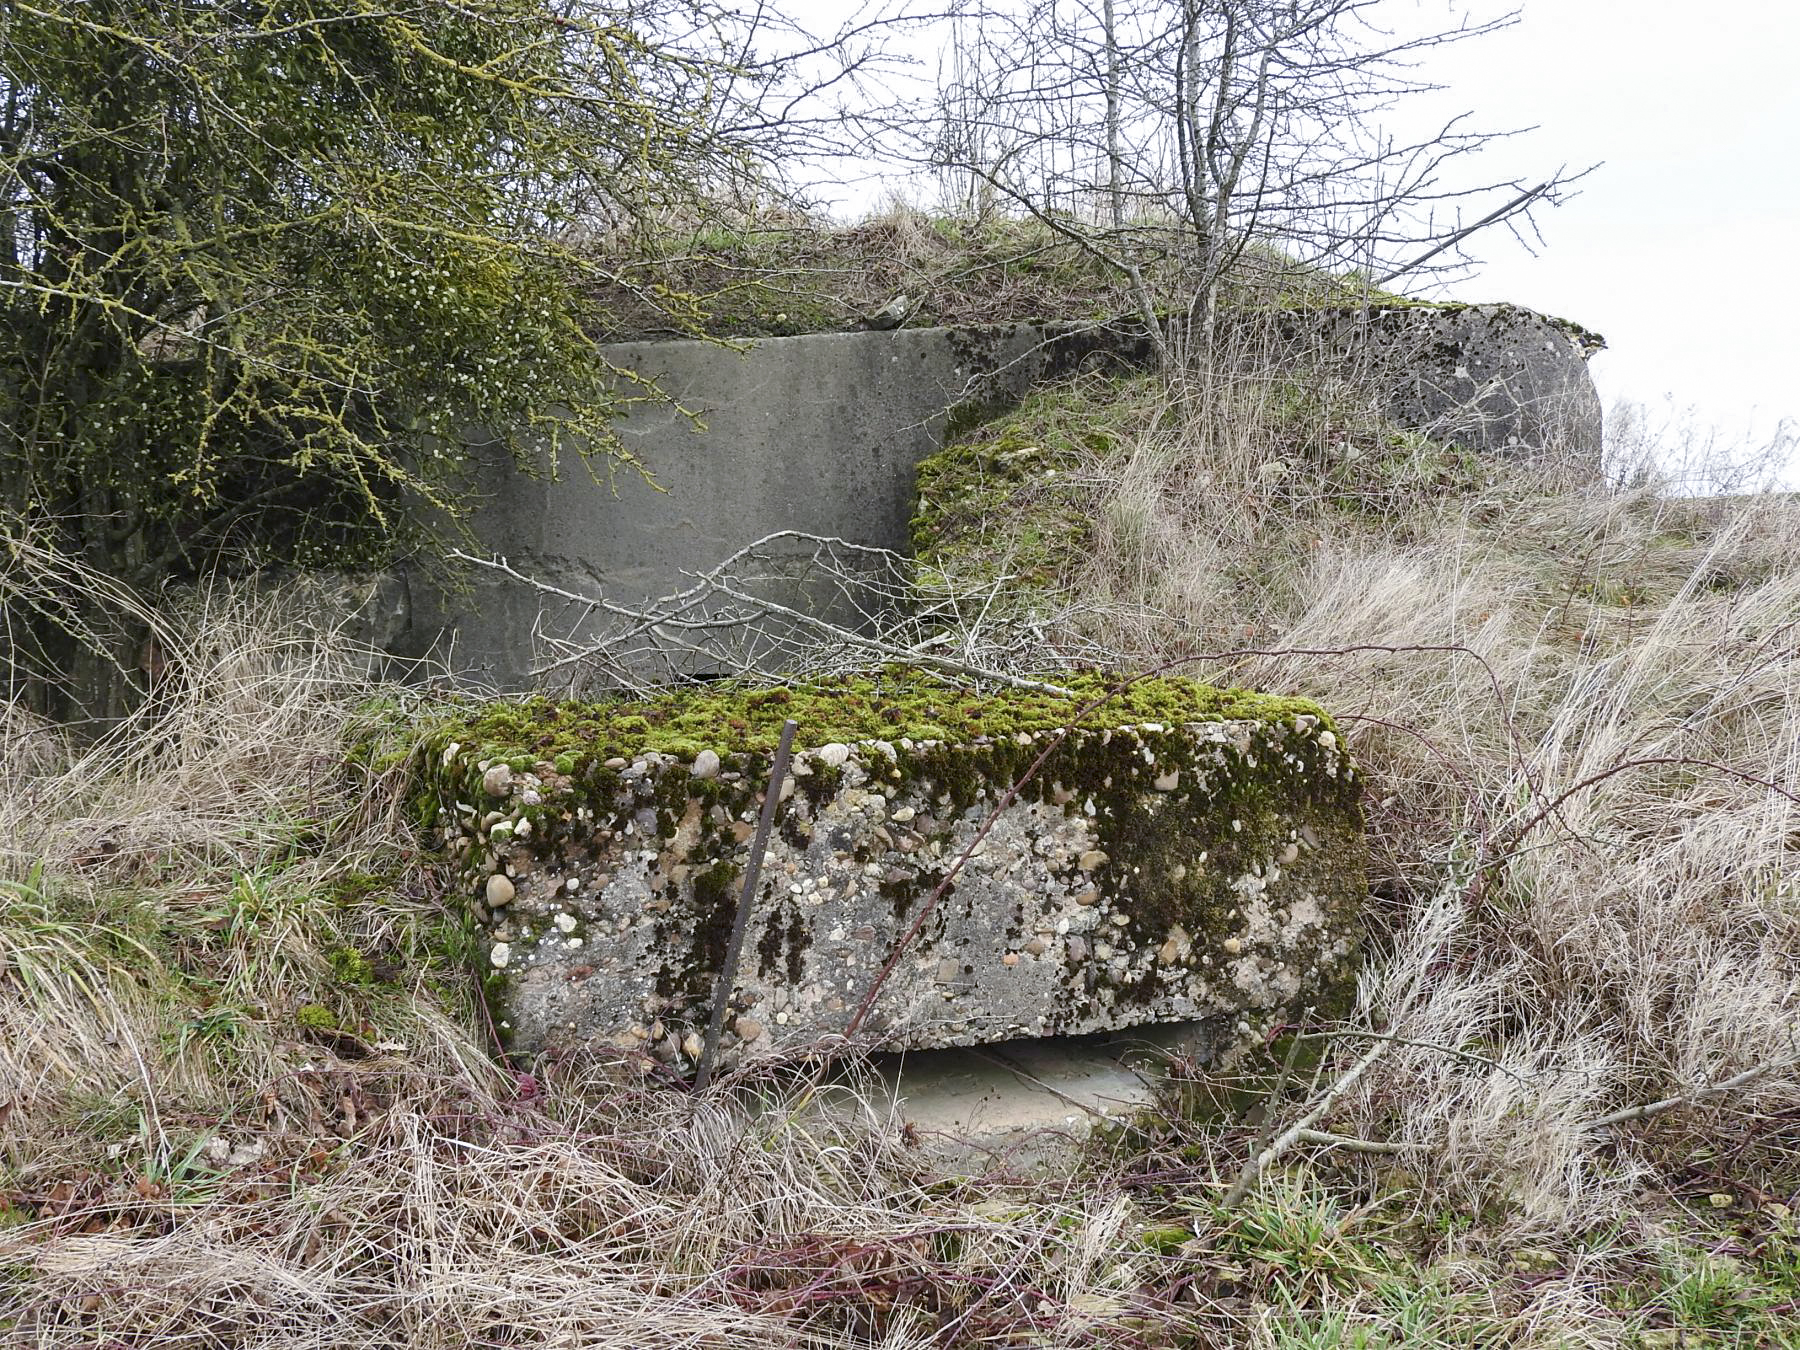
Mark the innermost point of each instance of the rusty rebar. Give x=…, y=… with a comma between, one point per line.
x=752, y=874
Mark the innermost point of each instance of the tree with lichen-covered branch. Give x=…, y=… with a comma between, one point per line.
x=263, y=261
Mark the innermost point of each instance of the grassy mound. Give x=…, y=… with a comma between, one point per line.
x=785, y=274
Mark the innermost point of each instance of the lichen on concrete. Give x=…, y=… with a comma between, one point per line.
x=1186, y=853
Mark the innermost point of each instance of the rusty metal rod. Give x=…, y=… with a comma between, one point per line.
x=752, y=874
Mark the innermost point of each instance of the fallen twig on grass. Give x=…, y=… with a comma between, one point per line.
x=1348, y=1143
x=1260, y=1159
x=1648, y=1110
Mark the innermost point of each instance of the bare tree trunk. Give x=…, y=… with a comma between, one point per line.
x=1114, y=159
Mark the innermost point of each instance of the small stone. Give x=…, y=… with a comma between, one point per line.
x=616, y=762
x=1088, y=897
x=1037, y=946
x=497, y=781
x=748, y=1029
x=1232, y=946
x=902, y=814
x=1103, y=950
x=523, y=828
x=1288, y=854
x=1167, y=782
x=1010, y=959
x=566, y=922
x=1536, y=1258
x=741, y=830
x=705, y=765
x=499, y=954
x=949, y=970
x=1077, y=949
x=832, y=755
x=1718, y=1199
x=500, y=892
x=1121, y=919
x=1091, y=859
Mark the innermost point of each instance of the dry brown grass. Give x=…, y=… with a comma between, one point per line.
x=246, y=1098
x=1579, y=708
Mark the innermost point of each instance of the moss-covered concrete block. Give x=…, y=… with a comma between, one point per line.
x=1186, y=853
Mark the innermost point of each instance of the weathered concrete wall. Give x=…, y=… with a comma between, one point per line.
x=822, y=434
x=1154, y=872
x=817, y=434
x=1493, y=378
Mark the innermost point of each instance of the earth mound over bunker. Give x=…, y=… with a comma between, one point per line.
x=1185, y=853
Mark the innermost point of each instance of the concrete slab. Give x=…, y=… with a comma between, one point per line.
x=1149, y=872
x=1029, y=1103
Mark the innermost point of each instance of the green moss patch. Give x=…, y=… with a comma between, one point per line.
x=886, y=705
x=1013, y=496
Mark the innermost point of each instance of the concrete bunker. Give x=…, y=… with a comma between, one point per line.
x=822, y=434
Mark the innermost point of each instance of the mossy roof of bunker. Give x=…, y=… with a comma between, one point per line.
x=888, y=704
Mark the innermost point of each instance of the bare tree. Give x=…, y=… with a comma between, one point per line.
x=1192, y=143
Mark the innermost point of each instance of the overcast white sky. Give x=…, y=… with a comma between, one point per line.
x=1683, y=248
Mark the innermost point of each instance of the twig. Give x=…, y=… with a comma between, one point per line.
x=659, y=616
x=1349, y=1143
x=1272, y=1101
x=1521, y=200
x=1254, y=1166
x=1470, y=1055
x=1646, y=761
x=1646, y=1110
